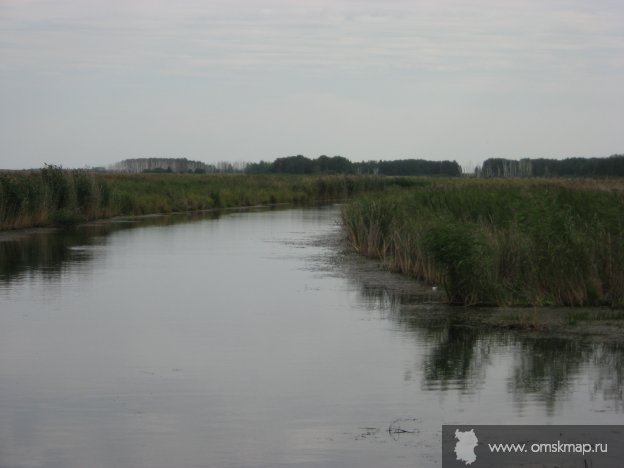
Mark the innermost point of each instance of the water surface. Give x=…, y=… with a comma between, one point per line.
x=251, y=340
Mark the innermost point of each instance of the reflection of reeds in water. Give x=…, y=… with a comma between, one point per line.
x=544, y=368
x=499, y=242
x=458, y=350
x=610, y=375
x=37, y=253
x=384, y=299
x=47, y=252
x=547, y=368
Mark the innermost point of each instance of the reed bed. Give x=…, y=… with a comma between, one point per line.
x=500, y=242
x=54, y=196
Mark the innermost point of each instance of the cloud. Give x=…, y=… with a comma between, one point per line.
x=196, y=36
x=364, y=78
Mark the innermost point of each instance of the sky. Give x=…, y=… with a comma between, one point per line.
x=92, y=82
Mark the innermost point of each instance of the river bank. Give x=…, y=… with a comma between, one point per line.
x=54, y=196
x=415, y=303
x=499, y=242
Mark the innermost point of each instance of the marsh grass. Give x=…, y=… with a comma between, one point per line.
x=51, y=196
x=65, y=197
x=518, y=242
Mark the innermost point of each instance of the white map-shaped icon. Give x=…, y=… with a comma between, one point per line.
x=466, y=443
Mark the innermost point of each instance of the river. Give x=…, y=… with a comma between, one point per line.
x=251, y=339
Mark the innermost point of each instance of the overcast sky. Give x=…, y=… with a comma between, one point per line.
x=91, y=82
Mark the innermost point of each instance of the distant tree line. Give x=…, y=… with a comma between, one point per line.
x=492, y=167
x=178, y=165
x=340, y=165
x=570, y=167
x=159, y=165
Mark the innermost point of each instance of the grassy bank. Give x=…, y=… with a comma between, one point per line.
x=63, y=197
x=500, y=242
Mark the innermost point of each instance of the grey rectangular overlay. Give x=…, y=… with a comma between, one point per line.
x=532, y=446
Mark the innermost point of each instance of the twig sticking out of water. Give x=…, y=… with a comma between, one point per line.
x=395, y=426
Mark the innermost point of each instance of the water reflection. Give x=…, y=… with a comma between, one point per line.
x=251, y=342
x=457, y=359
x=459, y=354
x=547, y=367
x=48, y=252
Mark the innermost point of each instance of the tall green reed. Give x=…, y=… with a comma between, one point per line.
x=492, y=242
